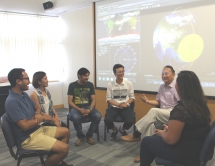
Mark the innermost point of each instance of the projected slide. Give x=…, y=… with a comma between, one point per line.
x=175, y=40
x=119, y=25
x=118, y=39
x=126, y=56
x=145, y=36
x=126, y=53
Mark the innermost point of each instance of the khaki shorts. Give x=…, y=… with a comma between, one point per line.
x=41, y=139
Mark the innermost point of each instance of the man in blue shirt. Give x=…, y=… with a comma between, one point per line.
x=25, y=117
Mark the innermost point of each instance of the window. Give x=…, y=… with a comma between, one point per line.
x=31, y=42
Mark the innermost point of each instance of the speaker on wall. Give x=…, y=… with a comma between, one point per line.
x=48, y=5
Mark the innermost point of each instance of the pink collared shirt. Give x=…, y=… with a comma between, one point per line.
x=167, y=96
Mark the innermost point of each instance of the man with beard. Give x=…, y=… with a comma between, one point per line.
x=82, y=100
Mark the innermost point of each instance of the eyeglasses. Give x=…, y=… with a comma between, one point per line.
x=120, y=72
x=26, y=78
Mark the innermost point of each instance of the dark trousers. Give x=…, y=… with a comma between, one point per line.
x=154, y=146
x=52, y=124
x=126, y=114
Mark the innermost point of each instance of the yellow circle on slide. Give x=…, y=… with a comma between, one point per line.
x=190, y=48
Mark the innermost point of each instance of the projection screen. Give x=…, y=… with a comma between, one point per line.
x=146, y=35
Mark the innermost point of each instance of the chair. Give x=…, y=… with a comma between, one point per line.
x=84, y=119
x=11, y=143
x=119, y=119
x=206, y=153
x=4, y=91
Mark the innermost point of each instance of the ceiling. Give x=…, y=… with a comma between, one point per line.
x=36, y=6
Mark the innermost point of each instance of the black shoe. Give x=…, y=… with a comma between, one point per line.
x=122, y=132
x=113, y=135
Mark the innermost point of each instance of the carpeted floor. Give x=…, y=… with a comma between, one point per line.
x=103, y=153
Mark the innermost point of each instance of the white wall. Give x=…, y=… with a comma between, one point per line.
x=78, y=45
x=55, y=89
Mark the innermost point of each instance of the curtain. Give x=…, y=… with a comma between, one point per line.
x=31, y=42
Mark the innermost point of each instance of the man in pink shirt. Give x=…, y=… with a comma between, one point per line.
x=166, y=100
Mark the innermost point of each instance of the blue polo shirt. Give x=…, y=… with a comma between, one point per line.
x=18, y=107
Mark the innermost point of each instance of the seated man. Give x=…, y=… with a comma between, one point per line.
x=120, y=94
x=26, y=117
x=82, y=100
x=166, y=100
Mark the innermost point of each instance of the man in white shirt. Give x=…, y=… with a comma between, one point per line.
x=120, y=94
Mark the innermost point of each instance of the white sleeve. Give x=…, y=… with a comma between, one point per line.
x=109, y=94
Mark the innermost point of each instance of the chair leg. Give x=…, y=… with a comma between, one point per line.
x=134, y=128
x=67, y=122
x=203, y=164
x=97, y=131
x=105, y=130
x=19, y=161
x=42, y=160
x=134, y=122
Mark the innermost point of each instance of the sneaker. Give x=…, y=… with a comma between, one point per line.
x=90, y=140
x=122, y=132
x=79, y=141
x=113, y=135
x=65, y=164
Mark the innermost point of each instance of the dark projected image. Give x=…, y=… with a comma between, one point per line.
x=118, y=40
x=120, y=25
x=125, y=55
x=175, y=41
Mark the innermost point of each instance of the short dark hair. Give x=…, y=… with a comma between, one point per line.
x=82, y=71
x=116, y=66
x=171, y=68
x=15, y=74
x=192, y=96
x=38, y=76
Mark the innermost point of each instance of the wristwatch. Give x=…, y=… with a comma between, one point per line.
x=127, y=104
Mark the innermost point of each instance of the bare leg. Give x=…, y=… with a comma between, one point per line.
x=62, y=134
x=60, y=150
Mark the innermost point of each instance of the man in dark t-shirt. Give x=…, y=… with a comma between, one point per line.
x=82, y=100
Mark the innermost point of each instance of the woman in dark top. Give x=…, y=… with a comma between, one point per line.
x=189, y=124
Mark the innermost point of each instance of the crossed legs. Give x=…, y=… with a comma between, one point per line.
x=49, y=138
x=146, y=124
x=60, y=147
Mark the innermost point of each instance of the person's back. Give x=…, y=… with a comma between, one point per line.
x=189, y=124
x=194, y=133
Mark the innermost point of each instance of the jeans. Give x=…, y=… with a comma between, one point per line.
x=76, y=117
x=152, y=146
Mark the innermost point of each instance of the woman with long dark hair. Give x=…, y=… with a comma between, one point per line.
x=189, y=123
